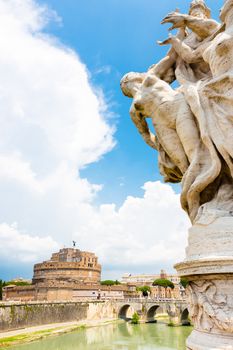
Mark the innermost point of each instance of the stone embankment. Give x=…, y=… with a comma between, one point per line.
x=23, y=315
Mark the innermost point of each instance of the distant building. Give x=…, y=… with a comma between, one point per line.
x=70, y=274
x=69, y=265
x=148, y=279
x=73, y=275
x=156, y=291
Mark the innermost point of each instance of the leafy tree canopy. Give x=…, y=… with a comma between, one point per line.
x=163, y=282
x=1, y=285
x=17, y=283
x=135, y=318
x=110, y=283
x=144, y=289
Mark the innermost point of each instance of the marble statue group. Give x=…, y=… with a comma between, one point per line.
x=193, y=134
x=193, y=123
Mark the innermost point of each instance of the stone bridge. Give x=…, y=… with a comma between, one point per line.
x=147, y=309
x=17, y=315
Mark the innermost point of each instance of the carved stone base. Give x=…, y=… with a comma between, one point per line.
x=209, y=269
x=204, y=341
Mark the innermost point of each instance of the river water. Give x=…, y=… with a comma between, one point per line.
x=116, y=336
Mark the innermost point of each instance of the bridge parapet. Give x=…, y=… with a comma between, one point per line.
x=148, y=308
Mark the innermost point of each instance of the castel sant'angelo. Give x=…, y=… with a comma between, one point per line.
x=61, y=278
x=69, y=265
x=70, y=274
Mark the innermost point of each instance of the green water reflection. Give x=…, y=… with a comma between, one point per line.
x=122, y=336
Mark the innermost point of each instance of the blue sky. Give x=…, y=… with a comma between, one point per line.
x=72, y=165
x=112, y=38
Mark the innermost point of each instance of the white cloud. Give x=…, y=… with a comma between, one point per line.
x=144, y=233
x=23, y=247
x=53, y=123
x=45, y=92
x=14, y=168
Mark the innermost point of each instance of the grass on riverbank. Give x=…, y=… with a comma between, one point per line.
x=29, y=337
x=34, y=336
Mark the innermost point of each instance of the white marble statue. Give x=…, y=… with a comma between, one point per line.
x=193, y=134
x=211, y=101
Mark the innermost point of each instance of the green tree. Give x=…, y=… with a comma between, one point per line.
x=144, y=289
x=110, y=283
x=16, y=283
x=184, y=282
x=135, y=318
x=163, y=282
x=1, y=285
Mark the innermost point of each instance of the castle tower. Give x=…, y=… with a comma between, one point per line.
x=69, y=265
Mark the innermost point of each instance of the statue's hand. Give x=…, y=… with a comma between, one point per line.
x=168, y=41
x=176, y=18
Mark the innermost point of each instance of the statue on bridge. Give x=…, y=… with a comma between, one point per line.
x=193, y=134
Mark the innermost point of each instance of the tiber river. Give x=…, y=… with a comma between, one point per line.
x=117, y=336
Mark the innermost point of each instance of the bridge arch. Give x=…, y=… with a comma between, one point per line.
x=151, y=312
x=124, y=312
x=185, y=318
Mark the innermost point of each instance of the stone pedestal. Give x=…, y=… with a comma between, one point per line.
x=209, y=269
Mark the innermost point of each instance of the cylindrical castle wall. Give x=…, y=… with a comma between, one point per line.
x=66, y=271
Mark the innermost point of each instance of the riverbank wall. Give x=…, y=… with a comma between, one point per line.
x=22, y=315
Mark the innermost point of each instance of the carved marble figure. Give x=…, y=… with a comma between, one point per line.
x=201, y=162
x=211, y=101
x=193, y=135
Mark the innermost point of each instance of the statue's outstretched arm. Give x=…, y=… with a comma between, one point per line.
x=184, y=51
x=167, y=63
x=203, y=27
x=142, y=126
x=160, y=69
